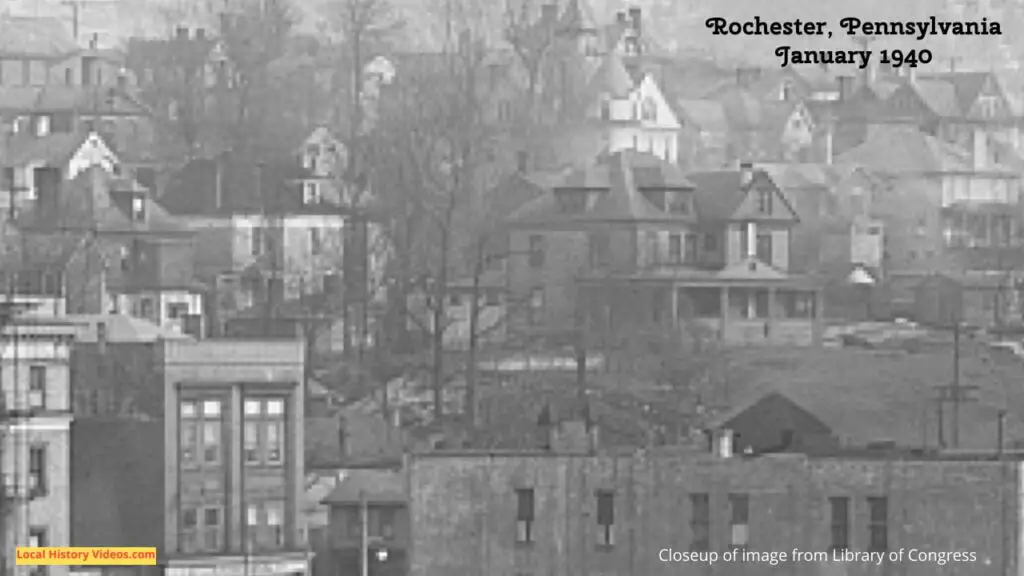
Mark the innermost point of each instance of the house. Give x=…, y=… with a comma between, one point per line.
x=373, y=495
x=119, y=250
x=36, y=463
x=643, y=242
x=704, y=141
x=30, y=47
x=181, y=498
x=979, y=299
x=767, y=131
x=942, y=204
x=69, y=153
x=557, y=512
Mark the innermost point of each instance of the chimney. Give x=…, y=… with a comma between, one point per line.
x=549, y=12
x=845, y=87
x=635, y=20
x=746, y=173
x=200, y=34
x=101, y=337
x=181, y=33
x=620, y=17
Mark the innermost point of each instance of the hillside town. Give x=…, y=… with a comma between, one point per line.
x=553, y=296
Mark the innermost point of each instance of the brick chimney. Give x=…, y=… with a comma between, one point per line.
x=746, y=173
x=635, y=20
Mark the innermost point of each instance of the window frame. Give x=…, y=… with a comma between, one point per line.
x=525, y=516
x=839, y=523
x=265, y=420
x=201, y=425
x=605, y=516
x=700, y=522
x=535, y=251
x=38, y=459
x=878, y=528
x=37, y=387
x=739, y=521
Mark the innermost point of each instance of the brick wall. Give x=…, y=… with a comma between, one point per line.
x=464, y=512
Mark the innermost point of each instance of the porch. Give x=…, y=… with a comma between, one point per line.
x=740, y=313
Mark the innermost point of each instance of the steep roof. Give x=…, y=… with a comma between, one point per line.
x=708, y=114
x=193, y=190
x=966, y=85
x=611, y=77
x=52, y=149
x=122, y=328
x=719, y=192
x=940, y=96
x=618, y=179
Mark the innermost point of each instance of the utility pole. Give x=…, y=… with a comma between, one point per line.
x=364, y=535
x=955, y=393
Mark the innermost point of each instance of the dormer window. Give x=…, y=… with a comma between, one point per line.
x=138, y=208
x=648, y=111
x=571, y=201
x=311, y=193
x=679, y=202
x=764, y=201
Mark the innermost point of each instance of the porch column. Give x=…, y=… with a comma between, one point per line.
x=817, y=321
x=675, y=305
x=773, y=313
x=724, y=317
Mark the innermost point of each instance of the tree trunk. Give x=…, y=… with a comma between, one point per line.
x=474, y=323
x=437, y=330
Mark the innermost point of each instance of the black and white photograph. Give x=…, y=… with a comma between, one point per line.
x=511, y=288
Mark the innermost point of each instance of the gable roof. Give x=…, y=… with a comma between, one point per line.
x=966, y=85
x=52, y=150
x=720, y=193
x=611, y=78
x=940, y=97
x=618, y=179
x=867, y=396
x=707, y=114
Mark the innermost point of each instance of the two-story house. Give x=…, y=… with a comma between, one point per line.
x=640, y=241
x=34, y=365
x=119, y=250
x=69, y=153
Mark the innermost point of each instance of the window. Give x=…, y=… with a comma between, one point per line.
x=524, y=516
x=201, y=430
x=599, y=249
x=536, y=251
x=691, y=248
x=42, y=125
x=649, y=111
x=311, y=193
x=37, y=387
x=315, y=241
x=740, y=523
x=212, y=528
x=700, y=522
x=675, y=248
x=202, y=529
x=537, y=306
x=606, y=519
x=492, y=298
x=264, y=431
x=764, y=201
x=454, y=300
x=878, y=524
x=840, y=507
x=37, y=539
x=189, y=530
x=504, y=111
x=265, y=525
x=764, y=247
x=177, y=310
x=386, y=522
x=138, y=208
x=678, y=202
x=257, y=241
x=37, y=471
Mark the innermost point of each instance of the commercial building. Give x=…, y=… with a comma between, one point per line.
x=207, y=466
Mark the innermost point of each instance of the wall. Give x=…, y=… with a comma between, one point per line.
x=464, y=512
x=221, y=366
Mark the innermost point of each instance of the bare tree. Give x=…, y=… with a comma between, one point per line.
x=532, y=39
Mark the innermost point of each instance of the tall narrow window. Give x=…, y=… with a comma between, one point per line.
x=386, y=522
x=878, y=524
x=764, y=247
x=675, y=248
x=840, y=508
x=37, y=387
x=536, y=251
x=524, y=516
x=740, y=523
x=315, y=241
x=537, y=306
x=189, y=437
x=700, y=522
x=257, y=241
x=211, y=432
x=264, y=431
x=605, y=519
x=764, y=201
x=189, y=530
x=37, y=471
x=37, y=539
x=691, y=248
x=213, y=529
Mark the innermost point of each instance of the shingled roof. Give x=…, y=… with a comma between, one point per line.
x=34, y=36
x=905, y=150
x=965, y=85
x=619, y=179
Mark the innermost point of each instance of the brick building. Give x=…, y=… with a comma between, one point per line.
x=207, y=465
x=549, y=513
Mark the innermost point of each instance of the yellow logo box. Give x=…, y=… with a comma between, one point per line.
x=82, y=556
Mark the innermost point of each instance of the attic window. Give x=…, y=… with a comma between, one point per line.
x=138, y=208
x=648, y=111
x=764, y=201
x=786, y=92
x=311, y=193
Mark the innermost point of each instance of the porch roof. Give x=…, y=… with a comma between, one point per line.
x=686, y=276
